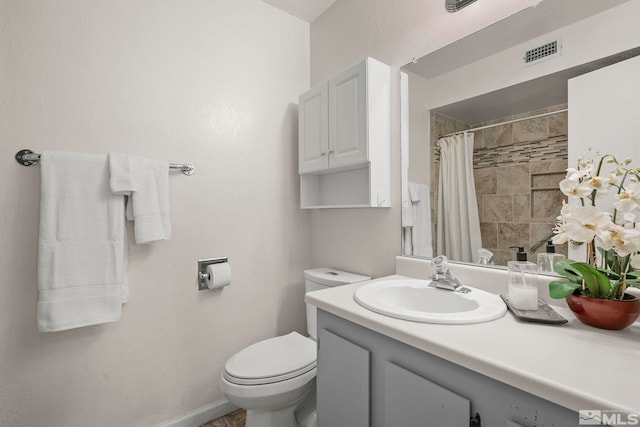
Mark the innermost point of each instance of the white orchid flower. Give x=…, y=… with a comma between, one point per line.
x=573, y=188
x=598, y=183
x=615, y=178
x=580, y=223
x=629, y=198
x=629, y=217
x=574, y=174
x=560, y=237
x=623, y=240
x=583, y=223
x=561, y=234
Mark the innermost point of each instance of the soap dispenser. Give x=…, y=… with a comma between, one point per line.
x=523, y=282
x=547, y=260
x=521, y=255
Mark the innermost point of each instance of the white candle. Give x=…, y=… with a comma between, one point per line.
x=523, y=285
x=523, y=297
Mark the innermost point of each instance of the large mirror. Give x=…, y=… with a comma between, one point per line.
x=479, y=195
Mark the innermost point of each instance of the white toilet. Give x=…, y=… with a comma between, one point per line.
x=274, y=379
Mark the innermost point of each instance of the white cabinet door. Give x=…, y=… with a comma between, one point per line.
x=313, y=117
x=347, y=117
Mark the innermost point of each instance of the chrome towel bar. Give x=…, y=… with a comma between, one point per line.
x=29, y=158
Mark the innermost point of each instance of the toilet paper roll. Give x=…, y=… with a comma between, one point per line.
x=219, y=275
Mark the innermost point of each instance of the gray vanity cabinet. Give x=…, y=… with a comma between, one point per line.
x=368, y=379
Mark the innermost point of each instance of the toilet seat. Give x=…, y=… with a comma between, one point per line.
x=272, y=360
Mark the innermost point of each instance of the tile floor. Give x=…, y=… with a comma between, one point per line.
x=234, y=419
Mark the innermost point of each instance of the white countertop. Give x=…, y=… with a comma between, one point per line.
x=573, y=365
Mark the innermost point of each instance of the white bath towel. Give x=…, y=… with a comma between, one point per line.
x=82, y=259
x=421, y=241
x=412, y=196
x=146, y=183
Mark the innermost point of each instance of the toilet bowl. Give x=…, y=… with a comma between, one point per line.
x=274, y=379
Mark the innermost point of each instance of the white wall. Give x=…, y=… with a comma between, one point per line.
x=604, y=108
x=394, y=32
x=210, y=82
x=604, y=34
x=419, y=131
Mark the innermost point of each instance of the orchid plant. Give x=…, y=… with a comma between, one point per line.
x=613, y=233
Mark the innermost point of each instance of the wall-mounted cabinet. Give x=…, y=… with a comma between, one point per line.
x=344, y=139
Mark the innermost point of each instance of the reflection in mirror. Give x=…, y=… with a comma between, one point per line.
x=516, y=166
x=520, y=145
x=457, y=219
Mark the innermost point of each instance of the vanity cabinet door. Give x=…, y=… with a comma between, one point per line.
x=343, y=382
x=313, y=119
x=347, y=117
x=412, y=400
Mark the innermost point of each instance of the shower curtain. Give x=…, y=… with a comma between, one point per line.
x=458, y=223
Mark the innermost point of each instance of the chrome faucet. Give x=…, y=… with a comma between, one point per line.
x=443, y=279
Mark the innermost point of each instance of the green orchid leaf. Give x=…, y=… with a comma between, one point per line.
x=612, y=275
x=633, y=282
x=599, y=285
x=633, y=274
x=563, y=267
x=559, y=289
x=562, y=264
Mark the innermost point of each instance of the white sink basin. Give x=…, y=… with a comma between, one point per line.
x=414, y=299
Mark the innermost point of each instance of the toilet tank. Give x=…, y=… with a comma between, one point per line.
x=316, y=279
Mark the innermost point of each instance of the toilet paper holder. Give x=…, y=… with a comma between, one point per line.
x=202, y=270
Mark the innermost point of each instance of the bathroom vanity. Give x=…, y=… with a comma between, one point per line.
x=368, y=379
x=375, y=370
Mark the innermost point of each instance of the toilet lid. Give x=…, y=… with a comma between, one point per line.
x=272, y=360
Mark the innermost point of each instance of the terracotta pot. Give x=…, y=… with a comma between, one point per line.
x=605, y=314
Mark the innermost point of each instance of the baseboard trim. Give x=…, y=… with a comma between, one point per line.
x=202, y=415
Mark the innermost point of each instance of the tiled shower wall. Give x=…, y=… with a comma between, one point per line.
x=517, y=168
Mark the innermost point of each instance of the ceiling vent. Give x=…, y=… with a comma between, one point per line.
x=456, y=5
x=543, y=52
